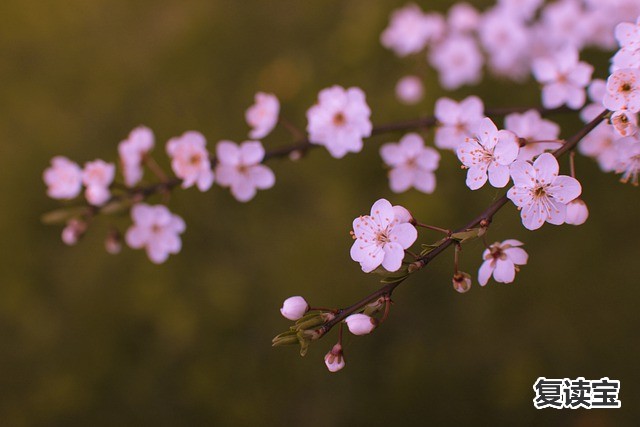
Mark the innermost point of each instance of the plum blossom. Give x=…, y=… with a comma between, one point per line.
x=409, y=90
x=463, y=18
x=600, y=144
x=382, y=237
x=360, y=324
x=489, y=152
x=564, y=78
x=577, y=212
x=412, y=164
x=623, y=90
x=132, y=152
x=502, y=260
x=410, y=29
x=294, y=308
x=506, y=40
x=239, y=168
x=539, y=193
x=339, y=120
x=530, y=127
x=457, y=120
x=458, y=61
x=628, y=150
x=334, y=359
x=190, y=160
x=157, y=230
x=628, y=35
x=262, y=116
x=97, y=176
x=63, y=178
x=625, y=122
x=523, y=10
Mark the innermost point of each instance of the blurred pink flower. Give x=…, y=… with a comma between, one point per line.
x=157, y=230
x=239, y=167
x=63, y=178
x=190, y=160
x=262, y=116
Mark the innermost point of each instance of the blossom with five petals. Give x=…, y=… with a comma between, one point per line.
x=382, y=237
x=539, y=193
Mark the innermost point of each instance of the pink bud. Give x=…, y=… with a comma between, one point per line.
x=461, y=282
x=72, y=232
x=577, y=212
x=334, y=359
x=360, y=324
x=409, y=90
x=294, y=308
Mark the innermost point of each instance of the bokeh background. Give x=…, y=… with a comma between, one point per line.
x=91, y=339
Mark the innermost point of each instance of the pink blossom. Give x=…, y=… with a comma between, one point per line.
x=600, y=144
x=132, y=152
x=409, y=90
x=507, y=41
x=490, y=153
x=294, y=308
x=563, y=77
x=625, y=122
x=628, y=35
x=360, y=324
x=624, y=59
x=63, y=178
x=628, y=162
x=458, y=61
x=157, y=230
x=190, y=160
x=381, y=238
x=262, y=116
x=97, y=176
x=577, y=212
x=463, y=18
x=410, y=29
x=531, y=127
x=502, y=260
x=412, y=164
x=239, y=167
x=539, y=193
x=457, y=120
x=334, y=359
x=623, y=90
x=339, y=120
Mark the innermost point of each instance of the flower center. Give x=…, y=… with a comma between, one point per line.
x=382, y=237
x=626, y=87
x=339, y=119
x=194, y=159
x=539, y=192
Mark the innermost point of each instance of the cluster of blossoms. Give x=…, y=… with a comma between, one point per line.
x=514, y=38
x=616, y=145
x=509, y=37
x=155, y=228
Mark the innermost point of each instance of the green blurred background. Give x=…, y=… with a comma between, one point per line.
x=90, y=339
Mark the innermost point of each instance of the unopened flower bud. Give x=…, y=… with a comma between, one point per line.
x=113, y=242
x=577, y=212
x=73, y=231
x=294, y=308
x=461, y=282
x=334, y=359
x=360, y=324
x=409, y=90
